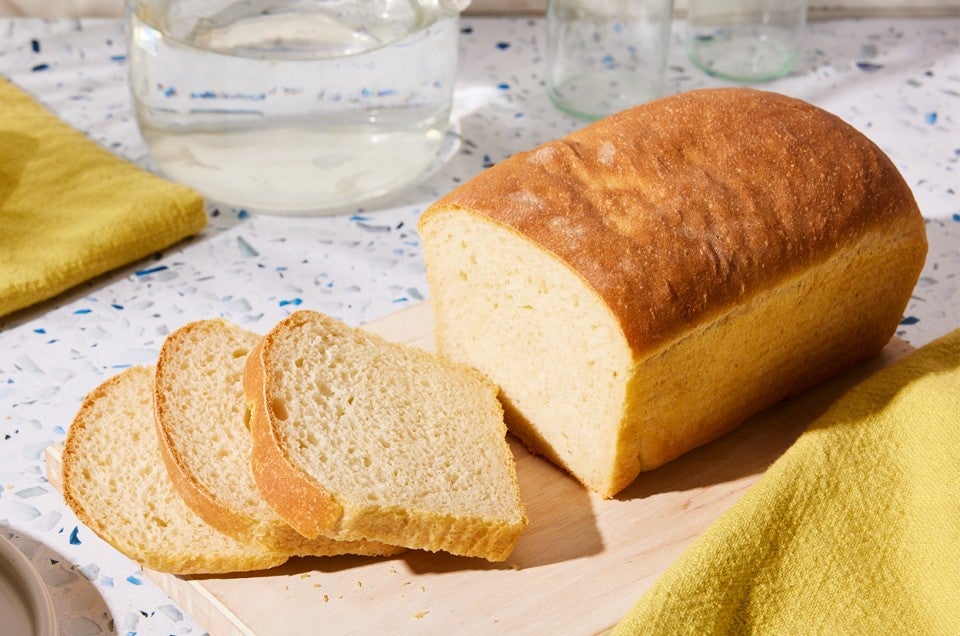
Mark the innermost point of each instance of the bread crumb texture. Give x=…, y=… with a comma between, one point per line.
x=202, y=422
x=115, y=481
x=410, y=446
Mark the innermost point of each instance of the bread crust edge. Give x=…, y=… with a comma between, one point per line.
x=309, y=508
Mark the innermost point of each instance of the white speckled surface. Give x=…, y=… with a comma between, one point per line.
x=898, y=81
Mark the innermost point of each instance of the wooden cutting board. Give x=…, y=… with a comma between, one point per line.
x=579, y=567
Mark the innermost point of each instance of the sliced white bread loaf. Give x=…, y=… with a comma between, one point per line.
x=356, y=437
x=643, y=285
x=201, y=418
x=115, y=481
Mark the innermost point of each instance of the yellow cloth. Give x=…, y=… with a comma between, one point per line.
x=70, y=210
x=854, y=530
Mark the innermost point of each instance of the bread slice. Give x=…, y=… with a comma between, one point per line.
x=650, y=281
x=201, y=418
x=115, y=481
x=356, y=437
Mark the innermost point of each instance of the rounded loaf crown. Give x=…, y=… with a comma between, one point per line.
x=676, y=209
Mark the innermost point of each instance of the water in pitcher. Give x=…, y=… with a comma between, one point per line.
x=293, y=107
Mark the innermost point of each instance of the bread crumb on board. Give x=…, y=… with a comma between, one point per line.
x=420, y=615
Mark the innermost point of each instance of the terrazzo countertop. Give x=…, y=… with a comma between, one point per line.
x=898, y=81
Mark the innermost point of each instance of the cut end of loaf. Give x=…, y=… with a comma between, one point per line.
x=525, y=319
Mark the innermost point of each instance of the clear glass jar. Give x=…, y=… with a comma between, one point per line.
x=293, y=106
x=745, y=40
x=606, y=55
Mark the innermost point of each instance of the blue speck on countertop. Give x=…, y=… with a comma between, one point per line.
x=74, y=539
x=151, y=270
x=245, y=248
x=292, y=301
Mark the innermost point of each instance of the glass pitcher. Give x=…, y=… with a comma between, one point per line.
x=293, y=106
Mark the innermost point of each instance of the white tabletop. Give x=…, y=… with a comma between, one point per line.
x=898, y=81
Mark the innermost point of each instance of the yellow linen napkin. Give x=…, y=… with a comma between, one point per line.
x=854, y=530
x=70, y=210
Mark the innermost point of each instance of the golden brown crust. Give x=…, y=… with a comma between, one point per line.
x=684, y=188
x=298, y=499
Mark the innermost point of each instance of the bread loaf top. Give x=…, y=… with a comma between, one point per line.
x=677, y=209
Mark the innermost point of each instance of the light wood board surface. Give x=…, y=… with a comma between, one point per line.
x=580, y=565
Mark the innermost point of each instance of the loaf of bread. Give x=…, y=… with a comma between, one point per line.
x=355, y=437
x=645, y=284
x=200, y=413
x=115, y=481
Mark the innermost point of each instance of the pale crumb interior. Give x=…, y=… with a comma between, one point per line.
x=208, y=424
x=115, y=472
x=380, y=424
x=533, y=326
